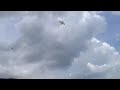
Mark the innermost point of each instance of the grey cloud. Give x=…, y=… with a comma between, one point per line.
x=7, y=14
x=45, y=42
x=91, y=75
x=8, y=75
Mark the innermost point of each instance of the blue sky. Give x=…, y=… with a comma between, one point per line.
x=42, y=48
x=113, y=29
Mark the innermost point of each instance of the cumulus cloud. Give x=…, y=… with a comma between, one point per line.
x=63, y=42
x=100, y=60
x=46, y=49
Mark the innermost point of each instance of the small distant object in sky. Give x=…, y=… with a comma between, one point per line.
x=12, y=48
x=61, y=22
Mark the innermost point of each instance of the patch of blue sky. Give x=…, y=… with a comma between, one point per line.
x=112, y=34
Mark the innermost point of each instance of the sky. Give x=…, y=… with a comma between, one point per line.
x=86, y=47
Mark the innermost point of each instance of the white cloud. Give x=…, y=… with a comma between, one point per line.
x=100, y=60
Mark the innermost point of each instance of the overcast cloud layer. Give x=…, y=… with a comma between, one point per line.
x=46, y=49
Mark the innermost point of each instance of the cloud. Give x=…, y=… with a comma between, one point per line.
x=8, y=14
x=62, y=42
x=100, y=60
x=46, y=49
